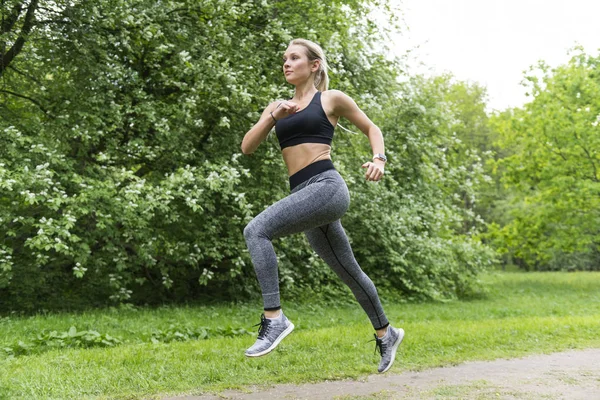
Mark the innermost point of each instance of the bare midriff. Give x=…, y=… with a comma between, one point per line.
x=299, y=156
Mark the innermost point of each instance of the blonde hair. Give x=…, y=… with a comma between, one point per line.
x=315, y=52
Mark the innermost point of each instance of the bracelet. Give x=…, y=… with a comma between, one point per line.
x=273, y=116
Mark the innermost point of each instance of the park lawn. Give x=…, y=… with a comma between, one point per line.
x=523, y=313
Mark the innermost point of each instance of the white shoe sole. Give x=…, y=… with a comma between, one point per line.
x=394, y=348
x=275, y=343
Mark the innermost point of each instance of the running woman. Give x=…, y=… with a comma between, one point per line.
x=318, y=195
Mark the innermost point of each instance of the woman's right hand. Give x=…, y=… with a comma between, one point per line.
x=284, y=109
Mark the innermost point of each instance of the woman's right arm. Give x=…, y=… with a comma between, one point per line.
x=260, y=130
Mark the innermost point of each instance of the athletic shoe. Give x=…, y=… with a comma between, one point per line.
x=387, y=346
x=270, y=333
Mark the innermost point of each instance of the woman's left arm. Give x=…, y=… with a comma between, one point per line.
x=345, y=106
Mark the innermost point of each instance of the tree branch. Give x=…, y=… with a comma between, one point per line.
x=9, y=22
x=592, y=162
x=25, y=75
x=6, y=59
x=558, y=152
x=37, y=103
x=579, y=142
x=52, y=21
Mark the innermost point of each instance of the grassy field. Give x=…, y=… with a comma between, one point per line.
x=194, y=350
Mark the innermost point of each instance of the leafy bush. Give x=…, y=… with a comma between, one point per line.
x=183, y=333
x=47, y=340
x=121, y=172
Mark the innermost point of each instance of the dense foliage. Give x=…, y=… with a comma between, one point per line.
x=121, y=174
x=550, y=169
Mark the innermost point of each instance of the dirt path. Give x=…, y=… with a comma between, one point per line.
x=568, y=375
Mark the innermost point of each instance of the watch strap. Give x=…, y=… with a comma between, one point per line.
x=380, y=156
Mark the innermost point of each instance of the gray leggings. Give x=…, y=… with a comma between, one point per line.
x=314, y=206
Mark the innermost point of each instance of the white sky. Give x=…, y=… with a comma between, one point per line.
x=493, y=42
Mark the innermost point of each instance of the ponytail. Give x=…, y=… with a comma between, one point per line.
x=321, y=78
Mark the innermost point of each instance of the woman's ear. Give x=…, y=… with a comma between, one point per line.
x=316, y=63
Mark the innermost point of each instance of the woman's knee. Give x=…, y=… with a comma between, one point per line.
x=254, y=229
x=249, y=230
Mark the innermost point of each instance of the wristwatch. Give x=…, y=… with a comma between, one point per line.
x=382, y=157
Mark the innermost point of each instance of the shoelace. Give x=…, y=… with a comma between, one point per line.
x=379, y=345
x=263, y=329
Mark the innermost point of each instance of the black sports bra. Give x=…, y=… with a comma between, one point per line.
x=309, y=125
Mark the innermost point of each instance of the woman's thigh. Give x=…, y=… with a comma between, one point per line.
x=318, y=203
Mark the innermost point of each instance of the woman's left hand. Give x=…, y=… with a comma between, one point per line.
x=374, y=170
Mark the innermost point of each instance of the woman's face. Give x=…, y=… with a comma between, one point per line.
x=296, y=66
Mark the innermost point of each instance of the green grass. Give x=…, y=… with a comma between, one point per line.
x=524, y=313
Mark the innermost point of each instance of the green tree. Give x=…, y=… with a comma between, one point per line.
x=552, y=169
x=120, y=169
